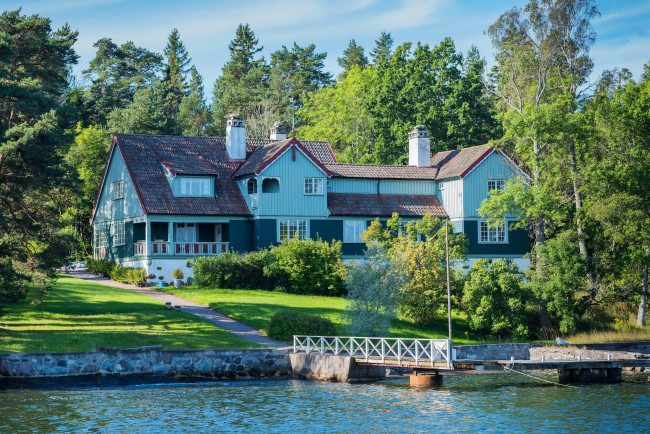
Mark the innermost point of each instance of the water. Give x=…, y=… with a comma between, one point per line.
x=487, y=403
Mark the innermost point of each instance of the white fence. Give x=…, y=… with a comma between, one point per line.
x=378, y=350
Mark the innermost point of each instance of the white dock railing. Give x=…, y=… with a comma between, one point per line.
x=378, y=350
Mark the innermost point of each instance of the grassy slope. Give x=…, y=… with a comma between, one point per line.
x=80, y=316
x=255, y=308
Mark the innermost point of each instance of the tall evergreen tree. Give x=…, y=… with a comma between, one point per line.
x=116, y=74
x=193, y=114
x=353, y=55
x=383, y=49
x=242, y=85
x=35, y=64
x=174, y=78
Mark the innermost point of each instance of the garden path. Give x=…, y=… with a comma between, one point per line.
x=216, y=318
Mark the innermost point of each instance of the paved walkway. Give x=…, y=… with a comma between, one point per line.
x=220, y=320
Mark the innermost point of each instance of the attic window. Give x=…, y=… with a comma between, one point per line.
x=195, y=187
x=270, y=185
x=496, y=184
x=252, y=186
x=118, y=190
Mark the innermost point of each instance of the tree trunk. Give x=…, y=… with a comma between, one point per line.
x=540, y=235
x=582, y=243
x=640, y=318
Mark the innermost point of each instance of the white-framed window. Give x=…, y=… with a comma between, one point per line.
x=496, y=184
x=491, y=234
x=313, y=185
x=196, y=187
x=118, y=190
x=251, y=185
x=292, y=228
x=118, y=233
x=100, y=238
x=352, y=230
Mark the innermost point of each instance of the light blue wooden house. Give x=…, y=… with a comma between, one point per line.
x=166, y=199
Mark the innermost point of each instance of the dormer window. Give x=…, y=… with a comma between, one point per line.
x=195, y=187
x=252, y=186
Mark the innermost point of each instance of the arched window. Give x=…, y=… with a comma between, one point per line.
x=252, y=186
x=270, y=185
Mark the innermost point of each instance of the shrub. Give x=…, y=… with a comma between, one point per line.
x=177, y=274
x=128, y=274
x=234, y=271
x=285, y=324
x=311, y=266
x=100, y=266
x=373, y=293
x=495, y=300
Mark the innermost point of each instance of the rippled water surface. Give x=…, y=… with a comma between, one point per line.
x=488, y=403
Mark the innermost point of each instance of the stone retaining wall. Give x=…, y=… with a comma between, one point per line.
x=217, y=364
x=568, y=353
x=493, y=352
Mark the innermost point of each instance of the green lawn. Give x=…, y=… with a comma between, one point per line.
x=255, y=308
x=80, y=316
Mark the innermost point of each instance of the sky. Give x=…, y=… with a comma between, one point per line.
x=206, y=27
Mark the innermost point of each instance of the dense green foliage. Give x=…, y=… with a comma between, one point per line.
x=116, y=272
x=495, y=300
x=297, y=266
x=373, y=285
x=284, y=324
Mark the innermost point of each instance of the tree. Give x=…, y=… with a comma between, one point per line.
x=352, y=56
x=383, y=49
x=495, y=299
x=174, y=73
x=116, y=74
x=242, y=85
x=421, y=254
x=340, y=115
x=146, y=115
x=87, y=157
x=193, y=113
x=35, y=64
x=373, y=298
x=542, y=59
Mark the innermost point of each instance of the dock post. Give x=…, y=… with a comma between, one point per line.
x=425, y=379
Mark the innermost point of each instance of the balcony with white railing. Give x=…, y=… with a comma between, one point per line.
x=164, y=248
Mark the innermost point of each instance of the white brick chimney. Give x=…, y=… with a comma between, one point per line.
x=419, y=147
x=236, y=137
x=278, y=132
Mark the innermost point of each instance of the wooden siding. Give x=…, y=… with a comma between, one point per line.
x=451, y=194
x=239, y=235
x=291, y=200
x=369, y=186
x=475, y=186
x=127, y=207
x=265, y=233
x=518, y=243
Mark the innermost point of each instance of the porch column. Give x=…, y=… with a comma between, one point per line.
x=147, y=237
x=170, y=234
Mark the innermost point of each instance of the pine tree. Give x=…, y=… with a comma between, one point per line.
x=116, y=74
x=35, y=64
x=383, y=49
x=352, y=56
x=174, y=82
x=193, y=113
x=242, y=86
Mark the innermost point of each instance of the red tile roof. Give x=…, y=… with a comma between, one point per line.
x=145, y=155
x=384, y=205
x=374, y=171
x=458, y=163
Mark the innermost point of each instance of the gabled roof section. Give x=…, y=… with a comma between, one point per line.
x=198, y=156
x=384, y=205
x=375, y=171
x=268, y=153
x=458, y=163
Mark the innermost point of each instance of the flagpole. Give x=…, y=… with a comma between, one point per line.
x=448, y=292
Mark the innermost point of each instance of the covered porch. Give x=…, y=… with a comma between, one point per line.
x=169, y=238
